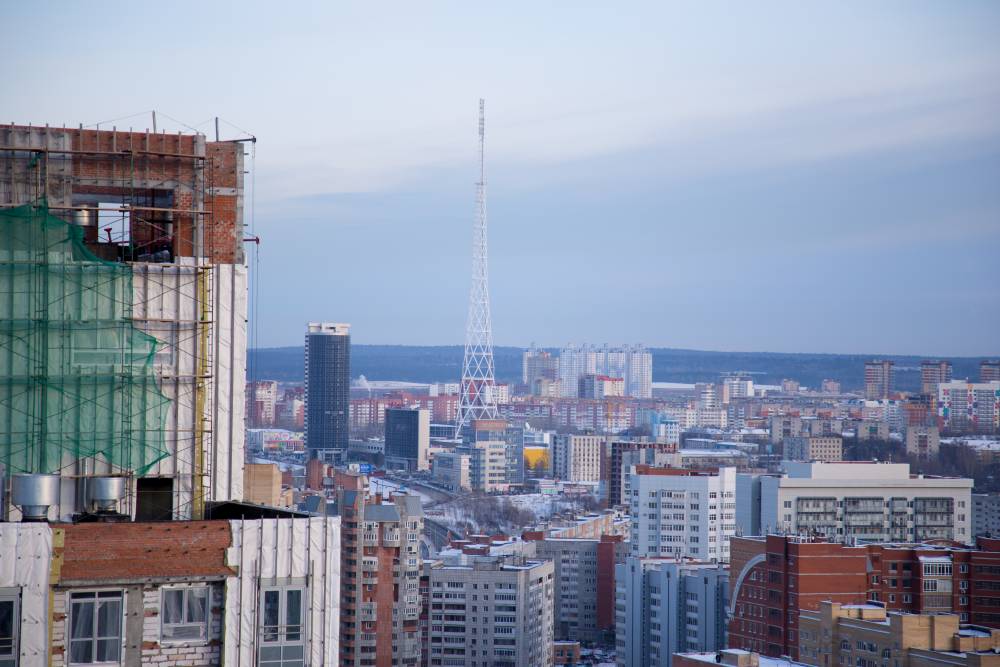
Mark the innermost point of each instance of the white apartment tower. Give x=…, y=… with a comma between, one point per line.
x=632, y=363
x=682, y=513
x=577, y=458
x=491, y=611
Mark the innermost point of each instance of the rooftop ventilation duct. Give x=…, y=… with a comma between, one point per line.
x=34, y=494
x=104, y=493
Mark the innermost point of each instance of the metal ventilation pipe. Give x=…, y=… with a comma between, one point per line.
x=104, y=493
x=34, y=494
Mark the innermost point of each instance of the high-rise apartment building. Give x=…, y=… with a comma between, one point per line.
x=682, y=513
x=986, y=514
x=328, y=389
x=878, y=379
x=577, y=458
x=491, y=611
x=632, y=363
x=856, y=501
x=617, y=468
x=969, y=406
x=989, y=370
x=777, y=578
x=380, y=576
x=262, y=400
x=407, y=438
x=487, y=447
x=665, y=606
x=538, y=365
x=585, y=586
x=933, y=373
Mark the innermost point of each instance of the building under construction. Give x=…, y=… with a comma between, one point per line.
x=122, y=317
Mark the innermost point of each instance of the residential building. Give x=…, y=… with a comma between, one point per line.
x=380, y=575
x=989, y=370
x=814, y=448
x=923, y=442
x=262, y=402
x=491, y=611
x=538, y=365
x=407, y=438
x=487, y=446
x=730, y=658
x=871, y=429
x=200, y=593
x=845, y=634
x=262, y=484
x=634, y=364
x=453, y=470
x=861, y=501
x=328, y=389
x=784, y=426
x=777, y=577
x=878, y=379
x=969, y=407
x=933, y=373
x=986, y=514
x=666, y=606
x=601, y=386
x=830, y=387
x=617, y=468
x=790, y=386
x=585, y=586
x=130, y=245
x=577, y=458
x=682, y=513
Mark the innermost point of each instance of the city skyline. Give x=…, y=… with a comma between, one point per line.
x=672, y=185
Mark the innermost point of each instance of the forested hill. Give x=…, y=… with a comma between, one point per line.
x=443, y=363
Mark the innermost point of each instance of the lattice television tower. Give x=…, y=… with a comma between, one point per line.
x=478, y=400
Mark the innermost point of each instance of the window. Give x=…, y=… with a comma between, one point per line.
x=9, y=617
x=282, y=635
x=184, y=614
x=95, y=622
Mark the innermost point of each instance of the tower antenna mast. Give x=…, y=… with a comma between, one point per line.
x=478, y=400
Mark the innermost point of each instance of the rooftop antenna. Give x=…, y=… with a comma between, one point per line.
x=477, y=400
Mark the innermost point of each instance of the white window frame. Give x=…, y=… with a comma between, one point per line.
x=13, y=595
x=96, y=594
x=291, y=652
x=185, y=591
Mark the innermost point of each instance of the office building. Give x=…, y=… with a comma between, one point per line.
x=123, y=246
x=986, y=514
x=452, y=470
x=491, y=611
x=933, y=373
x=665, y=606
x=989, y=370
x=407, y=438
x=585, y=584
x=923, y=442
x=776, y=578
x=839, y=634
x=380, y=575
x=328, y=389
x=577, y=458
x=878, y=379
x=682, y=513
x=814, y=448
x=858, y=501
x=972, y=407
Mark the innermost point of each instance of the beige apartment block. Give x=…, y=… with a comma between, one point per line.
x=864, y=635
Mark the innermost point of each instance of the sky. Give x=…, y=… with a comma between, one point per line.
x=769, y=176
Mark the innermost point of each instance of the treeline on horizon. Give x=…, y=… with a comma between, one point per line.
x=412, y=363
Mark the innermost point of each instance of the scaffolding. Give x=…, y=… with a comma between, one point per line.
x=77, y=378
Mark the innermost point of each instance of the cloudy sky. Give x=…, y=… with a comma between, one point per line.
x=778, y=176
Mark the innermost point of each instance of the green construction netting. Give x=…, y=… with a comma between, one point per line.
x=76, y=375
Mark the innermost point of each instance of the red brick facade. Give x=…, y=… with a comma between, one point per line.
x=774, y=578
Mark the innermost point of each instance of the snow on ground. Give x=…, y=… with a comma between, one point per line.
x=380, y=484
x=506, y=514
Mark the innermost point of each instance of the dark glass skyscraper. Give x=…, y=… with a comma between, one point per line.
x=328, y=389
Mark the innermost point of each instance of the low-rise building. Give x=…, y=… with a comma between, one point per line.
x=814, y=448
x=867, y=634
x=452, y=470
